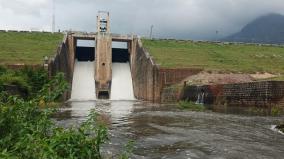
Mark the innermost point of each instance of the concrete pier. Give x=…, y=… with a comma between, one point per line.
x=103, y=64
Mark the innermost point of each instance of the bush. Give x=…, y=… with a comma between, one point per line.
x=28, y=132
x=128, y=149
x=3, y=70
x=19, y=81
x=35, y=78
x=28, y=80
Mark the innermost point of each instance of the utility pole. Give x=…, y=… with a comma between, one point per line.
x=151, y=31
x=53, y=16
x=217, y=32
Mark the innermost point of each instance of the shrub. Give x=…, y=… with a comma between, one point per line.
x=35, y=77
x=28, y=80
x=28, y=132
x=3, y=70
x=19, y=81
x=128, y=149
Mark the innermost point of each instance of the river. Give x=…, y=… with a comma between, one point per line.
x=163, y=131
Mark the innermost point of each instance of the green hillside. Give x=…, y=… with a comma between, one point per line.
x=238, y=58
x=27, y=48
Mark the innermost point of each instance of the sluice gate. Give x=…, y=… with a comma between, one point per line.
x=106, y=61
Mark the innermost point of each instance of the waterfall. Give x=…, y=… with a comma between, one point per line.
x=121, y=87
x=83, y=85
x=200, y=96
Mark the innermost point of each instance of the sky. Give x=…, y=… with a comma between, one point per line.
x=180, y=19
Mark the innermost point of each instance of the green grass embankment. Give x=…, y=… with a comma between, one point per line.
x=235, y=58
x=27, y=48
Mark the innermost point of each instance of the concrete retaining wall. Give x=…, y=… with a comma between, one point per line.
x=144, y=74
x=171, y=94
x=245, y=94
x=176, y=75
x=149, y=79
x=63, y=61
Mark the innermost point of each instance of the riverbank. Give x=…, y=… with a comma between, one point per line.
x=27, y=130
x=218, y=57
x=27, y=48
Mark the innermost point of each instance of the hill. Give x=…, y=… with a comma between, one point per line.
x=27, y=47
x=266, y=29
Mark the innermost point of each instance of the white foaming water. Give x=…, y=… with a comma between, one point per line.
x=83, y=85
x=121, y=86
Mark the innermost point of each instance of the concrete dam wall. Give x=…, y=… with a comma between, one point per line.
x=135, y=68
x=63, y=61
x=129, y=67
x=149, y=80
x=79, y=65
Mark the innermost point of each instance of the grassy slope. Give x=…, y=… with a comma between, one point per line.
x=27, y=48
x=226, y=58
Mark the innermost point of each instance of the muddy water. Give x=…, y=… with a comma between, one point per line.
x=162, y=131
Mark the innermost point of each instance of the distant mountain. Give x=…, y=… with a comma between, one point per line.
x=265, y=29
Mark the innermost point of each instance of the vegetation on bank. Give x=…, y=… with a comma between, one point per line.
x=28, y=80
x=188, y=105
x=27, y=48
x=27, y=130
x=236, y=58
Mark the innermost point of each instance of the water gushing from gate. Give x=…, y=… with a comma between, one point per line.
x=121, y=87
x=83, y=85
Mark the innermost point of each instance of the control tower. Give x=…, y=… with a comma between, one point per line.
x=103, y=63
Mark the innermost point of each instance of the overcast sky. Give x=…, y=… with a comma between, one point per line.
x=186, y=19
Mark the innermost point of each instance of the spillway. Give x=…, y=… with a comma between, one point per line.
x=83, y=85
x=121, y=87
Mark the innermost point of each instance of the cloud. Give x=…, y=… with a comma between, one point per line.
x=187, y=19
x=26, y=7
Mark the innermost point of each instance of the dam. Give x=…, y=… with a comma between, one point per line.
x=108, y=79
x=115, y=83
x=101, y=71
x=104, y=70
